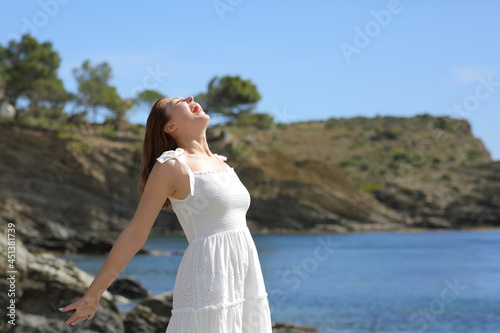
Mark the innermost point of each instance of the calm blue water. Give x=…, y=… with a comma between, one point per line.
x=368, y=282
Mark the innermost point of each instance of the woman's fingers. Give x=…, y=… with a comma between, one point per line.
x=68, y=307
x=71, y=320
x=83, y=305
x=75, y=320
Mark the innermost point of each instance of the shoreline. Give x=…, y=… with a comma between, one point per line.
x=326, y=232
x=103, y=242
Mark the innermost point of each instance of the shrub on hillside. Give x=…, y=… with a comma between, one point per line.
x=474, y=154
x=444, y=123
x=387, y=134
x=258, y=120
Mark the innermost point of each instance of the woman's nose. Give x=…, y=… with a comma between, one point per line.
x=189, y=99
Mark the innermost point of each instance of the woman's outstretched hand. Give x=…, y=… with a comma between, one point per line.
x=85, y=307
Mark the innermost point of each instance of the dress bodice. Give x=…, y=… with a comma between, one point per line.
x=218, y=200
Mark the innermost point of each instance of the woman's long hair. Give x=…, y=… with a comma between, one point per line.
x=156, y=141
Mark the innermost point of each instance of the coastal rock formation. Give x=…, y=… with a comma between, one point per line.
x=310, y=195
x=74, y=192
x=469, y=198
x=129, y=288
x=72, y=197
x=290, y=328
x=44, y=283
x=150, y=315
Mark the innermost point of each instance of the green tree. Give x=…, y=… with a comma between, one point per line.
x=119, y=110
x=29, y=70
x=94, y=91
x=148, y=97
x=230, y=96
x=2, y=86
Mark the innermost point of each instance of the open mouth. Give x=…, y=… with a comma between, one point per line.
x=196, y=108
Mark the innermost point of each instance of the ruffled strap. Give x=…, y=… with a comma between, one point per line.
x=169, y=154
x=222, y=158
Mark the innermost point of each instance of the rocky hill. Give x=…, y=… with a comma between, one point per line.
x=430, y=169
x=66, y=190
x=338, y=175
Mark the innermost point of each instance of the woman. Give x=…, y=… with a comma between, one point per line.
x=219, y=285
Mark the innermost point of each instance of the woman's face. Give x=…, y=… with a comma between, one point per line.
x=185, y=113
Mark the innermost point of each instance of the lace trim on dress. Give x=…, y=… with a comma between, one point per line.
x=208, y=172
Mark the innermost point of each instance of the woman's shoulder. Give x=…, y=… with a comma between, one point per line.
x=167, y=164
x=169, y=154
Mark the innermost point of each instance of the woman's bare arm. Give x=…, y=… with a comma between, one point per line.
x=159, y=186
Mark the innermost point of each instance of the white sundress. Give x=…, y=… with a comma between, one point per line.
x=219, y=286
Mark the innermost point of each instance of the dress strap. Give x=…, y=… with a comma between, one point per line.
x=222, y=158
x=169, y=154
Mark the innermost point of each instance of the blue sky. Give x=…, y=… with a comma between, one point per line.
x=311, y=60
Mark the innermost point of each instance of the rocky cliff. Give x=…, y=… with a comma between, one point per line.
x=60, y=184
x=72, y=190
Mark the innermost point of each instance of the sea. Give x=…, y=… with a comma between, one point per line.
x=386, y=282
